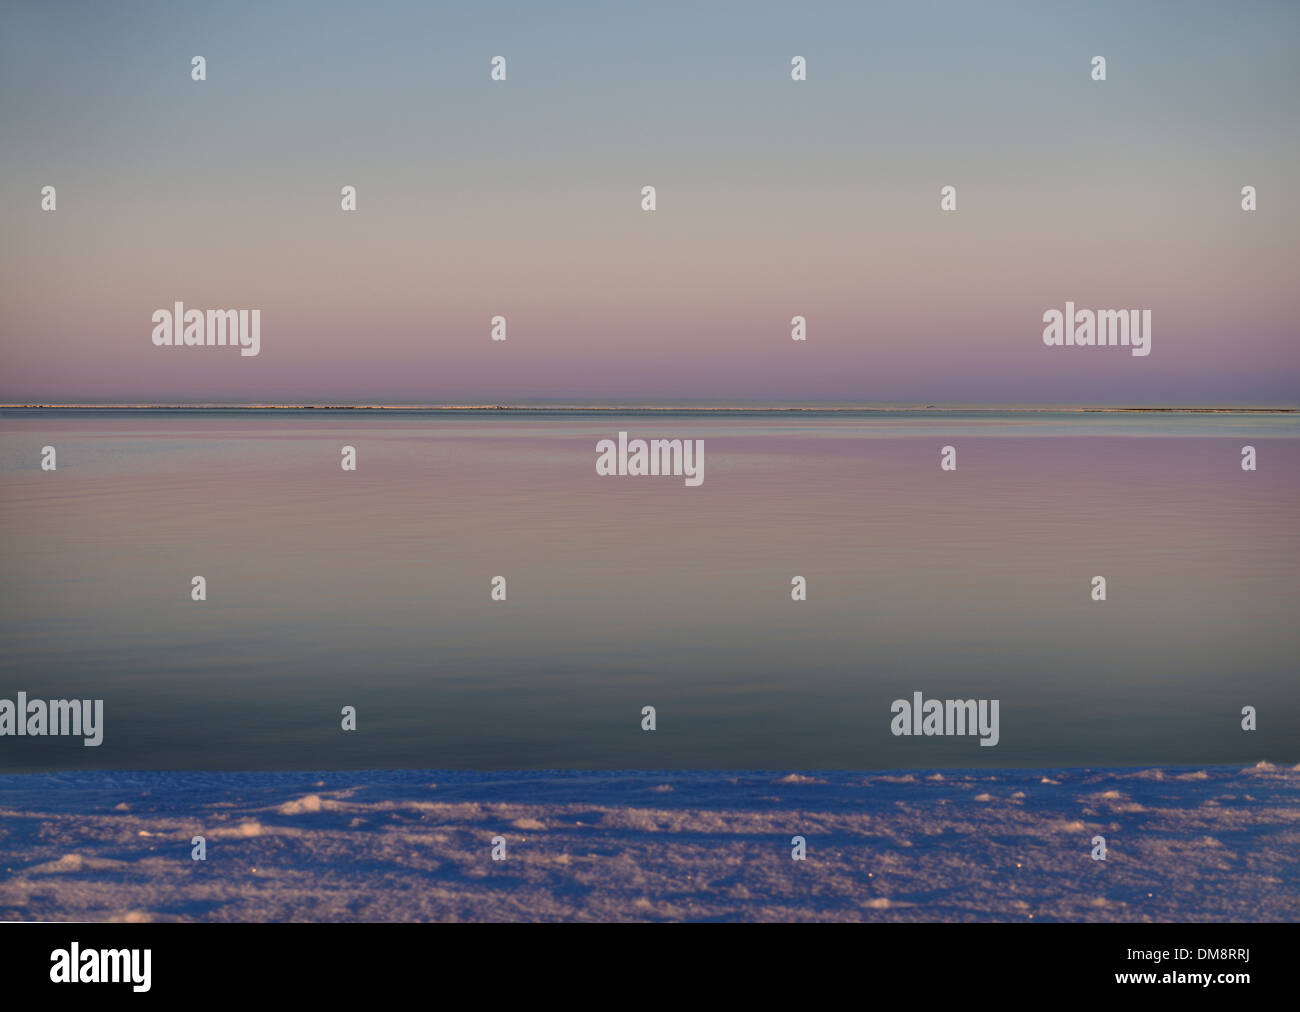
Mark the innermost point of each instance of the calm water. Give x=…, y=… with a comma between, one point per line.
x=371, y=589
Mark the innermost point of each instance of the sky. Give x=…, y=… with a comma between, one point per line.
x=775, y=198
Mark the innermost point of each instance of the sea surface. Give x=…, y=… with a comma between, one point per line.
x=372, y=589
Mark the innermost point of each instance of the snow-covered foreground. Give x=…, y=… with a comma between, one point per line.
x=1183, y=844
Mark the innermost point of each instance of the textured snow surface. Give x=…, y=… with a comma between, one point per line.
x=1183, y=845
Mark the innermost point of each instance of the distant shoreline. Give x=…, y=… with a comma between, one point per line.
x=664, y=408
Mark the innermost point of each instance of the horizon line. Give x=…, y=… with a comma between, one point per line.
x=696, y=407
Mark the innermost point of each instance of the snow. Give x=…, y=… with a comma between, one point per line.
x=1208, y=844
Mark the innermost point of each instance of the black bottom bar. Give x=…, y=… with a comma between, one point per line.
x=332, y=962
